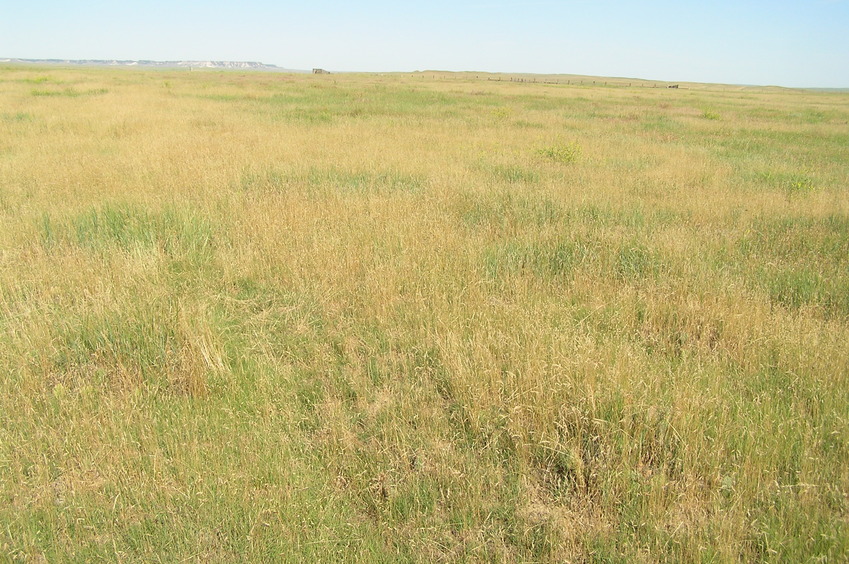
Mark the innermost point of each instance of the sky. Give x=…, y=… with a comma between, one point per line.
x=801, y=43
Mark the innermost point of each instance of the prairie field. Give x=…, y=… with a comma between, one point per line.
x=421, y=317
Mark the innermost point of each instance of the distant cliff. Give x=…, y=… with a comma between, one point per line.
x=245, y=65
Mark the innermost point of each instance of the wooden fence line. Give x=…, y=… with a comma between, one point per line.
x=567, y=82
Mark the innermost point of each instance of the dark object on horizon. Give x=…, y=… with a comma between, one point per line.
x=320, y=71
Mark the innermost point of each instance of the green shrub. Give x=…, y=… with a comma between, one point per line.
x=563, y=154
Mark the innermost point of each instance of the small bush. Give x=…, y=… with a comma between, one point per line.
x=501, y=113
x=563, y=154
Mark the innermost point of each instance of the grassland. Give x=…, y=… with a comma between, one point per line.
x=424, y=318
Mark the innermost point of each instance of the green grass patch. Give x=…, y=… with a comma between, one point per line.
x=331, y=180
x=184, y=240
x=70, y=92
x=544, y=259
x=513, y=174
x=791, y=183
x=505, y=211
x=125, y=227
x=661, y=123
x=794, y=239
x=42, y=80
x=17, y=117
x=634, y=262
x=140, y=347
x=334, y=180
x=800, y=261
x=796, y=287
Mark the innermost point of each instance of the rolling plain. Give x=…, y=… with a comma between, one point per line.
x=422, y=317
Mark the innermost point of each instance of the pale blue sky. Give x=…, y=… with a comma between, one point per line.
x=781, y=42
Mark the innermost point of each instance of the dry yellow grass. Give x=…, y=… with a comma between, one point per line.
x=420, y=317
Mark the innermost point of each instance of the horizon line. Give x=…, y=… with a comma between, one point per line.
x=271, y=67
